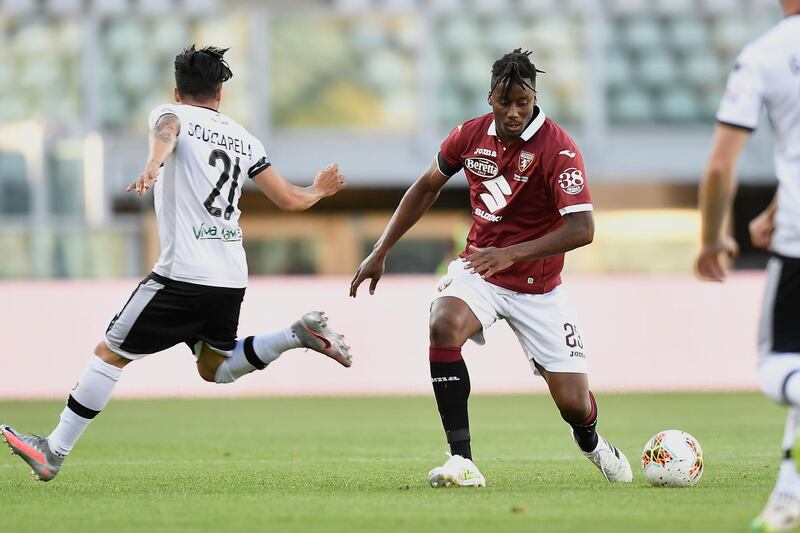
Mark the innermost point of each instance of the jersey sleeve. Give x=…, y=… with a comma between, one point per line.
x=449, y=158
x=568, y=182
x=741, y=105
x=258, y=160
x=160, y=111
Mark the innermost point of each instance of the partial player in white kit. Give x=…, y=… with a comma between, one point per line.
x=766, y=75
x=198, y=161
x=530, y=205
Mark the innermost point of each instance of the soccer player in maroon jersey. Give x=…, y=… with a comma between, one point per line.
x=530, y=204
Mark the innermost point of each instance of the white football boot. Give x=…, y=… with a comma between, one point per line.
x=782, y=512
x=456, y=472
x=313, y=331
x=610, y=460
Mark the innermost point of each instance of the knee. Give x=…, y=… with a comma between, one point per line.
x=780, y=382
x=207, y=372
x=107, y=356
x=446, y=330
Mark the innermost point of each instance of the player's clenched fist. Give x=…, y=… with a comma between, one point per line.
x=329, y=181
x=145, y=181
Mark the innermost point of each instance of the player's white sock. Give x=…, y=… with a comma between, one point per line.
x=255, y=353
x=87, y=399
x=788, y=472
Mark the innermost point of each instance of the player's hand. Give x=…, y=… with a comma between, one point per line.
x=371, y=268
x=761, y=229
x=329, y=181
x=488, y=261
x=146, y=180
x=712, y=261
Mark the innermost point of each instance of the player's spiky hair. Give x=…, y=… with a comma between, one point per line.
x=199, y=73
x=514, y=67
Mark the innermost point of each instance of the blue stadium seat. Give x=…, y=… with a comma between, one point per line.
x=123, y=35
x=169, y=35
x=618, y=69
x=701, y=68
x=732, y=32
x=385, y=70
x=505, y=34
x=630, y=106
x=687, y=33
x=32, y=38
x=556, y=32
x=41, y=73
x=138, y=74
x=69, y=37
x=16, y=106
x=657, y=69
x=678, y=104
x=642, y=33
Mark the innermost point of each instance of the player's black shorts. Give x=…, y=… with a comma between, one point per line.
x=162, y=313
x=780, y=320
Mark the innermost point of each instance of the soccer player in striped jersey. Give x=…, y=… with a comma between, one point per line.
x=197, y=161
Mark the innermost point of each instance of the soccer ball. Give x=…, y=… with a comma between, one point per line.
x=672, y=458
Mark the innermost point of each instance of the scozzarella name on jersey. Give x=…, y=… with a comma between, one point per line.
x=232, y=144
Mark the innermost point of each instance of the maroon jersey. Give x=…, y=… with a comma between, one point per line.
x=518, y=191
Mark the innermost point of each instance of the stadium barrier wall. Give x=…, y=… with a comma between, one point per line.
x=641, y=333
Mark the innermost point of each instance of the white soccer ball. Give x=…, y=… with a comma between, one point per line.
x=672, y=458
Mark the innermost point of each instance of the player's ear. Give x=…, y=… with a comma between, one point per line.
x=177, y=95
x=219, y=93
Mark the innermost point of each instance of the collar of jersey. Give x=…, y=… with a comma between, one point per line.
x=204, y=107
x=532, y=128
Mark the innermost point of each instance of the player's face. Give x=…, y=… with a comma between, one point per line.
x=512, y=111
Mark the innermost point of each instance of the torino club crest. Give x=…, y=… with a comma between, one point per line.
x=525, y=160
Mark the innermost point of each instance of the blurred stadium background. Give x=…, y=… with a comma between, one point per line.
x=375, y=85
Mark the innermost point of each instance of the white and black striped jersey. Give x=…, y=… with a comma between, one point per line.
x=197, y=196
x=767, y=75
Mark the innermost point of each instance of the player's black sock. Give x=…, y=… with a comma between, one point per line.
x=451, y=387
x=586, y=432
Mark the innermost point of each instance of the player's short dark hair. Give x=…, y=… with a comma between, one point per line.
x=199, y=73
x=514, y=67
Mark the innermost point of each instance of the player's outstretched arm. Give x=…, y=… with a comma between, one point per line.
x=716, y=196
x=577, y=230
x=163, y=138
x=290, y=197
x=416, y=201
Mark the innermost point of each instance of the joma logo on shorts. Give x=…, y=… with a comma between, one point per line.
x=577, y=354
x=481, y=167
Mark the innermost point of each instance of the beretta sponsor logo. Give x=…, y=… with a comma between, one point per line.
x=481, y=167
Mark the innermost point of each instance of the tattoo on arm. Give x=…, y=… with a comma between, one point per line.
x=167, y=129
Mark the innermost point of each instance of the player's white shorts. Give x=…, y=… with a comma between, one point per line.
x=545, y=324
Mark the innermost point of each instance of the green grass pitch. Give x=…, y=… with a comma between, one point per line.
x=360, y=464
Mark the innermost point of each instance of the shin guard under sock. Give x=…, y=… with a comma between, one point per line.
x=451, y=387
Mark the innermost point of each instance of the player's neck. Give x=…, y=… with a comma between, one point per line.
x=208, y=104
